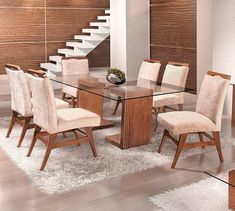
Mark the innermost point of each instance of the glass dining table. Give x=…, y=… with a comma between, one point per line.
x=136, y=97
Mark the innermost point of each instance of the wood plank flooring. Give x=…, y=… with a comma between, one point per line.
x=125, y=193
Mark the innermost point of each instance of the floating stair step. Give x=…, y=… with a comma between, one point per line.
x=103, y=24
x=70, y=52
x=107, y=11
x=49, y=66
x=80, y=45
x=103, y=17
x=55, y=58
x=88, y=38
x=97, y=31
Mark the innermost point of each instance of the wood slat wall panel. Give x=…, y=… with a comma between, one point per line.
x=79, y=3
x=22, y=3
x=173, y=34
x=20, y=24
x=25, y=55
x=167, y=54
x=64, y=24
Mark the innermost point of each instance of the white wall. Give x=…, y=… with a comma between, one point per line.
x=224, y=42
x=204, y=39
x=130, y=34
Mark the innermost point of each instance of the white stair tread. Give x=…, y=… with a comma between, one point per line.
x=104, y=17
x=97, y=31
x=50, y=66
x=87, y=37
x=107, y=11
x=70, y=52
x=80, y=45
x=55, y=58
x=104, y=24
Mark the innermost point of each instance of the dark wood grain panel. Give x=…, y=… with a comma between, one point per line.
x=25, y=55
x=173, y=23
x=22, y=3
x=19, y=24
x=100, y=57
x=166, y=54
x=64, y=24
x=79, y=4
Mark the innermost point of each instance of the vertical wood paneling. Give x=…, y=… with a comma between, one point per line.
x=173, y=34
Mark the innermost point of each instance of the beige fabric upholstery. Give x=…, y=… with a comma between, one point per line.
x=181, y=122
x=20, y=93
x=73, y=67
x=165, y=100
x=52, y=120
x=177, y=76
x=211, y=98
x=60, y=104
x=149, y=71
x=76, y=118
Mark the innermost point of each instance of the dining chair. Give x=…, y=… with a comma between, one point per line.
x=206, y=119
x=54, y=121
x=73, y=66
x=175, y=74
x=149, y=70
x=21, y=102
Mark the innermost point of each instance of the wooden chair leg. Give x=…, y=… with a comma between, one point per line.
x=50, y=145
x=181, y=107
x=164, y=136
x=12, y=123
x=117, y=105
x=76, y=136
x=156, y=111
x=35, y=137
x=201, y=139
x=182, y=140
x=25, y=128
x=91, y=141
x=73, y=102
x=63, y=96
x=216, y=136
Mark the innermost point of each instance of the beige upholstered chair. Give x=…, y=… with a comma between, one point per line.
x=73, y=66
x=57, y=121
x=21, y=104
x=206, y=118
x=149, y=70
x=175, y=74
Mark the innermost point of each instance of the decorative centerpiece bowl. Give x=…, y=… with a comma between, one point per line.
x=116, y=76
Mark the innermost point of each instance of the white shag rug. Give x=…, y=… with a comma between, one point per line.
x=72, y=167
x=205, y=195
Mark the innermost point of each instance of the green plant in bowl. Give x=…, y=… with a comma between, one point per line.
x=116, y=76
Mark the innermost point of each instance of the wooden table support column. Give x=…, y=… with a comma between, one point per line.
x=232, y=190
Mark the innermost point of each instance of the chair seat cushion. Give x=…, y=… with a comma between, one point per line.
x=70, y=90
x=72, y=118
x=60, y=104
x=181, y=122
x=166, y=100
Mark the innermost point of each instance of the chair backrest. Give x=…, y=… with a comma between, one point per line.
x=20, y=92
x=44, y=105
x=212, y=96
x=74, y=65
x=176, y=74
x=149, y=69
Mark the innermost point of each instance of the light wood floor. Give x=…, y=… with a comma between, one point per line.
x=126, y=193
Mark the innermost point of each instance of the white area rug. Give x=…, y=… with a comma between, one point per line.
x=73, y=167
x=206, y=195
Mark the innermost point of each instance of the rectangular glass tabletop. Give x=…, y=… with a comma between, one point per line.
x=133, y=88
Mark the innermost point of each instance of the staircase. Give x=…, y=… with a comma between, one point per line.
x=82, y=45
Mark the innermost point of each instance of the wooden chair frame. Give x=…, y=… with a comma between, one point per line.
x=50, y=139
x=71, y=99
x=119, y=101
x=214, y=140
x=24, y=122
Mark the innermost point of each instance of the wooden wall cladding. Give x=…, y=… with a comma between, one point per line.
x=173, y=34
x=24, y=22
